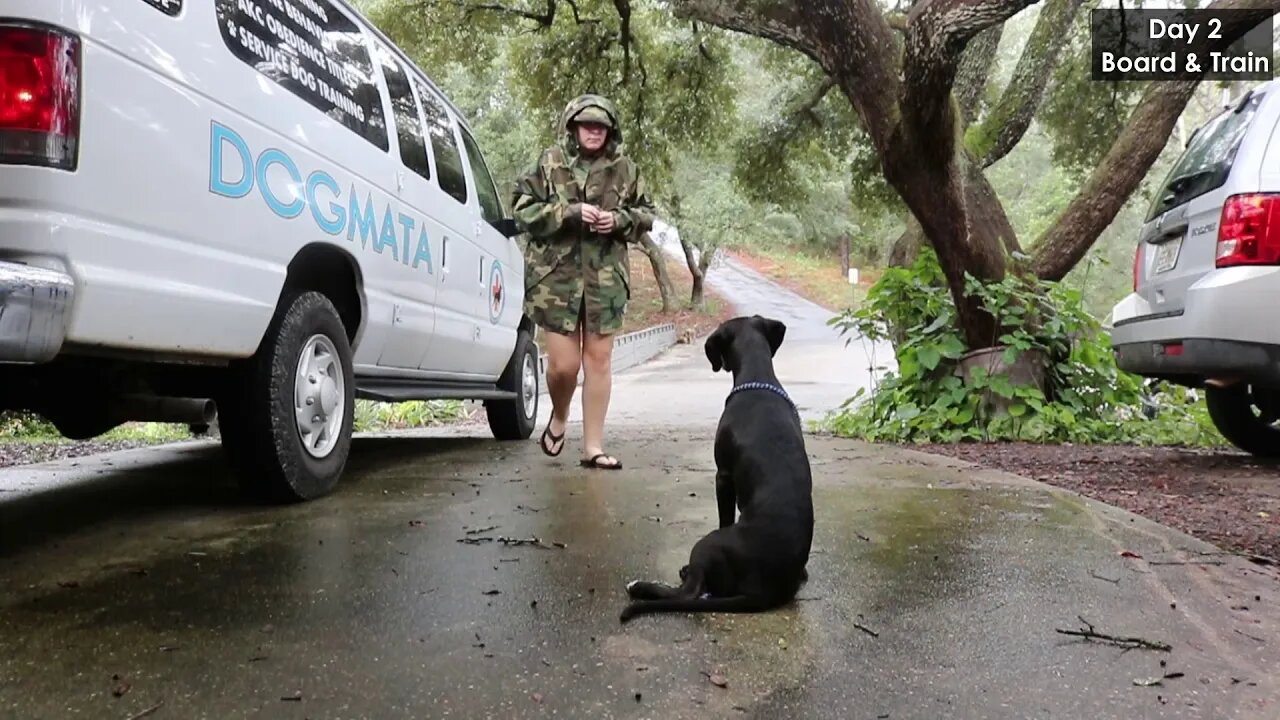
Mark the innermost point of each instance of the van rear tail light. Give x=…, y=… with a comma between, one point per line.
x=1249, y=233
x=39, y=96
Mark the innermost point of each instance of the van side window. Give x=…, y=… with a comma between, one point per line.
x=448, y=160
x=486, y=191
x=404, y=109
x=314, y=50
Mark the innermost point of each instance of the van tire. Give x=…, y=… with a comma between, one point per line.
x=515, y=419
x=261, y=432
x=1234, y=412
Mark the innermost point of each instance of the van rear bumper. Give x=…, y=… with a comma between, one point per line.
x=1192, y=360
x=35, y=312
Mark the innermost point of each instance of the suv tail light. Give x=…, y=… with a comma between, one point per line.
x=1137, y=264
x=1249, y=233
x=39, y=96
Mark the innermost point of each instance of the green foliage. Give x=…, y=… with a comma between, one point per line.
x=382, y=417
x=1086, y=399
x=15, y=425
x=370, y=417
x=705, y=206
x=671, y=81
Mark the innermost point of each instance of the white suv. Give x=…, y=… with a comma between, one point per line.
x=258, y=207
x=1207, y=272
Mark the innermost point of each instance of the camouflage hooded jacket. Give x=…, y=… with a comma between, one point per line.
x=547, y=201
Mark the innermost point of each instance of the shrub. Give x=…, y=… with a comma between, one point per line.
x=1085, y=399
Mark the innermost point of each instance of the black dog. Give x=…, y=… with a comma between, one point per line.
x=762, y=469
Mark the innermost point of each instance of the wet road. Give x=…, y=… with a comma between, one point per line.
x=936, y=588
x=397, y=597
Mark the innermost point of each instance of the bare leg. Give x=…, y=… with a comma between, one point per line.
x=597, y=362
x=564, y=358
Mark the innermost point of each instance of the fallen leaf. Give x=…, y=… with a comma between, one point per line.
x=1148, y=682
x=537, y=697
x=121, y=689
x=1264, y=515
x=718, y=680
x=1130, y=554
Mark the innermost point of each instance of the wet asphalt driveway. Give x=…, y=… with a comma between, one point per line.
x=451, y=576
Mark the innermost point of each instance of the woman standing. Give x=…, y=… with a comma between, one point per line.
x=581, y=206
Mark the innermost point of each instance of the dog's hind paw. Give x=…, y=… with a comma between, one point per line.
x=631, y=585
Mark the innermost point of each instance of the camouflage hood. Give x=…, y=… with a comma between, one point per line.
x=569, y=138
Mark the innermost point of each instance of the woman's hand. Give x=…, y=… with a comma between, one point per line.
x=605, y=222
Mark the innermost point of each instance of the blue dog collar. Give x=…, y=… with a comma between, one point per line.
x=764, y=386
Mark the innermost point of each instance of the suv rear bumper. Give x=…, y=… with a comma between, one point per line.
x=35, y=311
x=1193, y=360
x=1224, y=329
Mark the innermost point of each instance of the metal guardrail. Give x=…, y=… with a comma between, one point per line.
x=629, y=350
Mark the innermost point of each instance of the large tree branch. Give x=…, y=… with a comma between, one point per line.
x=1112, y=182
x=1008, y=121
x=849, y=39
x=1136, y=148
x=975, y=69
x=777, y=20
x=545, y=19
x=810, y=98
x=624, y=36
x=937, y=33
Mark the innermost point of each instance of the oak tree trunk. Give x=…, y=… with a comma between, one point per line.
x=698, y=260
x=658, y=260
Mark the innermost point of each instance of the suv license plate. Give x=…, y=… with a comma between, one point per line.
x=1167, y=256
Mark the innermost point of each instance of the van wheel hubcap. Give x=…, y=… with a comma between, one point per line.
x=528, y=384
x=319, y=396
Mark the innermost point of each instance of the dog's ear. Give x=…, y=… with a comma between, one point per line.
x=715, y=346
x=773, y=330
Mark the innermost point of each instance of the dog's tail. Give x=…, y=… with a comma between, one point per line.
x=735, y=604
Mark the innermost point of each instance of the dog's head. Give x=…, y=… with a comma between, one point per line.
x=721, y=345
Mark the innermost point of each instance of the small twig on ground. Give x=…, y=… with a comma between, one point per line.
x=866, y=629
x=1251, y=637
x=147, y=712
x=1158, y=681
x=536, y=542
x=1113, y=581
x=1261, y=559
x=1185, y=562
x=479, y=531
x=1089, y=633
x=862, y=537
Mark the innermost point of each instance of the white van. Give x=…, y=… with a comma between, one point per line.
x=255, y=206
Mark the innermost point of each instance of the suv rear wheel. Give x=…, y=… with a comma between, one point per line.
x=289, y=411
x=1246, y=416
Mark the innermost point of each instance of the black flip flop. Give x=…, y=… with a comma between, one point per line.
x=595, y=465
x=555, y=440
